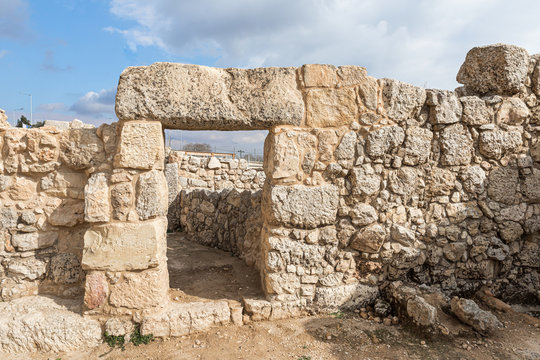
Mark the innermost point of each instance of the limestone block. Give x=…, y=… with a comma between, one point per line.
x=26, y=268
x=417, y=145
x=347, y=146
x=512, y=111
x=97, y=206
x=81, y=148
x=473, y=179
x=152, y=195
x=122, y=199
x=34, y=240
x=301, y=206
x=470, y=313
x=119, y=327
x=454, y=251
x=536, y=79
x=96, y=290
x=363, y=214
x=214, y=163
x=328, y=140
x=199, y=98
x=282, y=156
x=369, y=239
x=3, y=120
x=475, y=111
x=494, y=144
x=330, y=107
x=403, y=181
x=498, y=69
x=124, y=246
x=531, y=186
x=141, y=290
x=23, y=189
x=441, y=182
x=316, y=75
x=402, y=235
x=445, y=107
x=345, y=296
x=107, y=133
x=8, y=218
x=364, y=181
x=179, y=319
x=384, y=140
x=140, y=146
x=39, y=323
x=401, y=100
x=503, y=183
x=456, y=145
x=69, y=213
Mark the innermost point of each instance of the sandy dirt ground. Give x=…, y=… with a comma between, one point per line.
x=198, y=273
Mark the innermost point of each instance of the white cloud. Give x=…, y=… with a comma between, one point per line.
x=423, y=42
x=13, y=19
x=95, y=104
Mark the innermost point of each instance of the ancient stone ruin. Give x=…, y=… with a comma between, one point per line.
x=366, y=181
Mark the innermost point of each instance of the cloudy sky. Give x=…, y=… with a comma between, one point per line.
x=69, y=53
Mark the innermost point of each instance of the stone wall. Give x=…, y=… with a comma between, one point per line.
x=370, y=180
x=82, y=212
x=216, y=202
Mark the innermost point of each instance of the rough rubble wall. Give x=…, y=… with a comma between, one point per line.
x=369, y=179
x=83, y=212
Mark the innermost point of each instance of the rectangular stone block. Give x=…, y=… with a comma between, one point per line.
x=300, y=206
x=97, y=206
x=196, y=97
x=125, y=246
x=140, y=146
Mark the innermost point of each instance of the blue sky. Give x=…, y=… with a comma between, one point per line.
x=69, y=53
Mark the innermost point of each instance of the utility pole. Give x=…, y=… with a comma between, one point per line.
x=241, y=152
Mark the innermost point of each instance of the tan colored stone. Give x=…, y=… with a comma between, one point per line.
x=3, y=119
x=96, y=290
x=494, y=144
x=34, y=240
x=316, y=75
x=331, y=107
x=383, y=140
x=441, y=182
x=512, y=111
x=140, y=146
x=475, y=111
x=81, y=148
x=445, y=107
x=141, y=290
x=152, y=196
x=401, y=100
x=22, y=189
x=121, y=200
x=198, y=97
x=498, y=69
x=68, y=213
x=96, y=199
x=369, y=239
x=456, y=145
x=282, y=156
x=417, y=145
x=125, y=246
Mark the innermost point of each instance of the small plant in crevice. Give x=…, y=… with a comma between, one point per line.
x=338, y=314
x=115, y=341
x=138, y=339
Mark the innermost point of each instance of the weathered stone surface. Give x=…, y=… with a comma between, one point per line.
x=494, y=144
x=512, y=111
x=441, y=182
x=364, y=181
x=402, y=235
x=38, y=323
x=122, y=200
x=503, y=184
x=33, y=240
x=140, y=146
x=184, y=319
x=8, y=218
x=531, y=186
x=302, y=206
x=26, y=268
x=81, y=148
x=3, y=119
x=369, y=239
x=96, y=290
x=141, y=290
x=401, y=100
x=417, y=145
x=420, y=312
x=403, y=181
x=317, y=75
x=456, y=145
x=282, y=156
x=468, y=311
x=345, y=296
x=124, y=246
x=198, y=97
x=65, y=269
x=69, y=213
x=475, y=111
x=152, y=195
x=363, y=214
x=498, y=69
x=536, y=79
x=330, y=107
x=445, y=107
x=454, y=251
x=347, y=146
x=473, y=179
x=97, y=207
x=384, y=140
